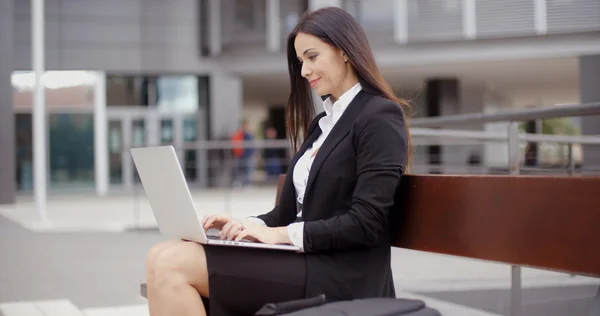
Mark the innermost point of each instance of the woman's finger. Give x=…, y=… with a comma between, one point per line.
x=226, y=228
x=218, y=221
x=207, y=222
x=211, y=221
x=248, y=234
x=242, y=234
x=233, y=231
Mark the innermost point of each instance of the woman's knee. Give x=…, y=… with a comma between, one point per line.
x=181, y=262
x=154, y=252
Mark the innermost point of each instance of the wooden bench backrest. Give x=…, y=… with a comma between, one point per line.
x=537, y=221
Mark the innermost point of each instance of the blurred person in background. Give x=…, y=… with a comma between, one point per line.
x=243, y=156
x=335, y=203
x=272, y=156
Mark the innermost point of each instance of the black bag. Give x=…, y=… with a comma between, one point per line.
x=361, y=307
x=272, y=309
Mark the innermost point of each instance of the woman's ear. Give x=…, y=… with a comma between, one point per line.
x=344, y=57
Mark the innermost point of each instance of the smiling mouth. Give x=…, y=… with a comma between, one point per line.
x=314, y=82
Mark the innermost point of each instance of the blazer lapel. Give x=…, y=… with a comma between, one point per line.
x=310, y=138
x=288, y=194
x=337, y=134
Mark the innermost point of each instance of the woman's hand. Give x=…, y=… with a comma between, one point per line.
x=216, y=221
x=265, y=235
x=228, y=226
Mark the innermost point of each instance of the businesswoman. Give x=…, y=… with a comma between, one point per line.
x=335, y=203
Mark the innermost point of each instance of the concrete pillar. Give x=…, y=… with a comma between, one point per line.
x=442, y=98
x=202, y=131
x=315, y=4
x=471, y=156
x=401, y=21
x=7, y=129
x=100, y=135
x=224, y=118
x=589, y=81
x=273, y=26
x=225, y=107
x=214, y=29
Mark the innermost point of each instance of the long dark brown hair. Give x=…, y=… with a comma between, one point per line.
x=340, y=29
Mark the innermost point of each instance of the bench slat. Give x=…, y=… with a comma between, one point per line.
x=544, y=222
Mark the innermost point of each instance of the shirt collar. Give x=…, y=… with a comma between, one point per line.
x=343, y=101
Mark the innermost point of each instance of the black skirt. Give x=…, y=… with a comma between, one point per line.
x=242, y=280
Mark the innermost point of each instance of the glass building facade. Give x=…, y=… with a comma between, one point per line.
x=132, y=104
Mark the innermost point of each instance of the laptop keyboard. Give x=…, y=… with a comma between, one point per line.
x=213, y=237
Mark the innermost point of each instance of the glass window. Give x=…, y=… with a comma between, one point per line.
x=63, y=89
x=166, y=131
x=126, y=90
x=24, y=152
x=71, y=141
x=138, y=133
x=115, y=151
x=177, y=93
x=250, y=15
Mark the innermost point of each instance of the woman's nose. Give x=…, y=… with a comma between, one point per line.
x=305, y=70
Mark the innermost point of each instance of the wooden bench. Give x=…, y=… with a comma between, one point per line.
x=546, y=222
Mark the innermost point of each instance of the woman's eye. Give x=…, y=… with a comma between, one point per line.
x=312, y=58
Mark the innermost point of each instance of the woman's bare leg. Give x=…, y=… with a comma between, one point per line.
x=150, y=267
x=177, y=275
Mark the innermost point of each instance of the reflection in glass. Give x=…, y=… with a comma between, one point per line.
x=63, y=89
x=189, y=135
x=71, y=144
x=177, y=93
x=166, y=131
x=115, y=150
x=126, y=90
x=138, y=135
x=24, y=152
x=189, y=130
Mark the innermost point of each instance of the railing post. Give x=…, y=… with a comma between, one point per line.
x=596, y=304
x=513, y=169
x=513, y=148
x=229, y=170
x=571, y=159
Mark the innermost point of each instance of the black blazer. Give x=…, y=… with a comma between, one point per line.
x=348, y=198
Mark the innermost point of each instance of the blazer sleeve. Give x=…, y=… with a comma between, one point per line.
x=381, y=150
x=272, y=219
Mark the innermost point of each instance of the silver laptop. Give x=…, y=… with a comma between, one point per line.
x=171, y=201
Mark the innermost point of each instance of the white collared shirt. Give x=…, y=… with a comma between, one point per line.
x=333, y=111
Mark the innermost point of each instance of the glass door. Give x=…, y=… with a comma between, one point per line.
x=115, y=149
x=70, y=149
x=24, y=152
x=135, y=127
x=126, y=129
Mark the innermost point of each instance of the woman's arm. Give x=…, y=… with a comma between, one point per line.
x=381, y=150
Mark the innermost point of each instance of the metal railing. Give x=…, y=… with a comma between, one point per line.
x=513, y=137
x=520, y=115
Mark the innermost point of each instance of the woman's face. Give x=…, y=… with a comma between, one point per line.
x=323, y=65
